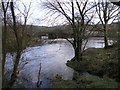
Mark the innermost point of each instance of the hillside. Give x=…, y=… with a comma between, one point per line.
x=65, y=30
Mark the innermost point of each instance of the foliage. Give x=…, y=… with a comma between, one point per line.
x=34, y=41
x=28, y=41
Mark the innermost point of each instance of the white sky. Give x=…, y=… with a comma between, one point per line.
x=38, y=13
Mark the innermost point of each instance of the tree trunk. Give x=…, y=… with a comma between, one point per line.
x=3, y=50
x=80, y=50
x=15, y=70
x=105, y=37
x=76, y=55
x=118, y=50
x=4, y=42
x=16, y=63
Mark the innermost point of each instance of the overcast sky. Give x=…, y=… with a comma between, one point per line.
x=38, y=13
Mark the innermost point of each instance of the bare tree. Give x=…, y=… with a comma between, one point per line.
x=25, y=14
x=16, y=63
x=19, y=40
x=79, y=22
x=5, y=6
x=115, y=2
x=106, y=12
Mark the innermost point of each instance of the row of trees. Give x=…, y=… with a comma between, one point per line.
x=79, y=14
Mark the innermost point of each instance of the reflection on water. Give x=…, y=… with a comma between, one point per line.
x=52, y=57
x=97, y=43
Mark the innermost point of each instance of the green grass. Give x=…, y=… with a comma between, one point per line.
x=96, y=82
x=102, y=62
x=85, y=81
x=64, y=84
x=58, y=82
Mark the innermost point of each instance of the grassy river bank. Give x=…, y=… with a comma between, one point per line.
x=98, y=69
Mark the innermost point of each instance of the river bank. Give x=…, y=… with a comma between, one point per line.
x=98, y=69
x=53, y=56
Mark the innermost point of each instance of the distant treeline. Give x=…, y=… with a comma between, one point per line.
x=64, y=31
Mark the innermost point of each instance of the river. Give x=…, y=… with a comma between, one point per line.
x=52, y=56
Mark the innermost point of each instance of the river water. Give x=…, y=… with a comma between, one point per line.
x=52, y=56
